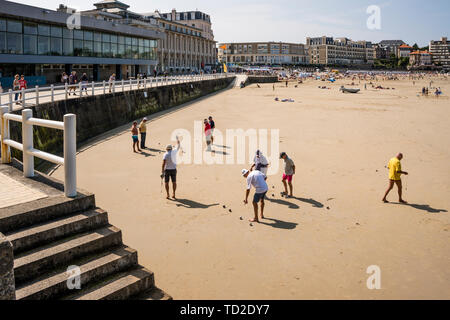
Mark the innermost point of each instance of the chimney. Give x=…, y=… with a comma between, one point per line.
x=174, y=15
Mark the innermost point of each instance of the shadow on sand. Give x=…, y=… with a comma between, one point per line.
x=427, y=208
x=280, y=224
x=190, y=204
x=284, y=203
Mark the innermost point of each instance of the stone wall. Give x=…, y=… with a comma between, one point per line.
x=7, y=283
x=261, y=79
x=101, y=113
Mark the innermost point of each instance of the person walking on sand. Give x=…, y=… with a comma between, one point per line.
x=395, y=177
x=169, y=168
x=213, y=126
x=288, y=176
x=257, y=179
x=135, y=137
x=143, y=131
x=207, y=134
x=260, y=163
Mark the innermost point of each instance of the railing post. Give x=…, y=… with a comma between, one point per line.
x=145, y=83
x=10, y=100
x=114, y=86
x=70, y=155
x=66, y=89
x=37, y=95
x=123, y=85
x=104, y=87
x=131, y=85
x=23, y=98
x=79, y=88
x=6, y=151
x=53, y=92
x=93, y=88
x=27, y=140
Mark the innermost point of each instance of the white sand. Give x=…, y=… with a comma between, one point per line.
x=341, y=144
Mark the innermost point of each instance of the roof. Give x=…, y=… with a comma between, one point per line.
x=392, y=42
x=405, y=46
x=420, y=52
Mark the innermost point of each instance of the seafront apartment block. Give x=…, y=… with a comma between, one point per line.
x=263, y=53
x=340, y=51
x=440, y=51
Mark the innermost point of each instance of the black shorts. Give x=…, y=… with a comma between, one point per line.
x=170, y=174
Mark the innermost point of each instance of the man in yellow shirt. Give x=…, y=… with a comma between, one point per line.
x=143, y=131
x=395, y=177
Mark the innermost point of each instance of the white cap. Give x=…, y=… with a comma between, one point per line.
x=169, y=147
x=244, y=172
x=145, y=119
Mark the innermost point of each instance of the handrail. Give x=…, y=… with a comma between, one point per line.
x=27, y=145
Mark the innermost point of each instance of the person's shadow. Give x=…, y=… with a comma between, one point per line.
x=313, y=202
x=190, y=204
x=280, y=224
x=145, y=154
x=284, y=203
x=426, y=207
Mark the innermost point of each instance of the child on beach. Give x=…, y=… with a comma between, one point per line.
x=135, y=137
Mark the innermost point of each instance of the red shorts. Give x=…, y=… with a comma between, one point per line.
x=288, y=178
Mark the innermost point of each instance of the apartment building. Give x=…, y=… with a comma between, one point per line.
x=195, y=19
x=392, y=45
x=263, y=53
x=404, y=51
x=341, y=51
x=440, y=51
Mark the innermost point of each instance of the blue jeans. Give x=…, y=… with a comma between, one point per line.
x=16, y=96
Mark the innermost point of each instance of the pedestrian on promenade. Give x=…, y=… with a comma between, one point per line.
x=111, y=81
x=143, y=131
x=288, y=176
x=135, y=137
x=84, y=84
x=207, y=134
x=23, y=85
x=257, y=179
x=169, y=168
x=73, y=80
x=213, y=126
x=64, y=78
x=16, y=88
x=395, y=177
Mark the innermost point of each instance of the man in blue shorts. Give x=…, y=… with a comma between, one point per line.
x=169, y=168
x=257, y=179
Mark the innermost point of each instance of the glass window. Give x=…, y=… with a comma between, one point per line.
x=44, y=30
x=29, y=44
x=88, y=48
x=121, y=52
x=14, y=26
x=106, y=49
x=68, y=47
x=141, y=42
x=30, y=28
x=2, y=42
x=141, y=53
x=77, y=48
x=56, y=46
x=98, y=37
x=121, y=40
x=14, y=42
x=128, y=52
x=56, y=32
x=147, y=43
x=67, y=33
x=2, y=25
x=88, y=35
x=134, y=41
x=114, y=50
x=78, y=34
x=128, y=41
x=106, y=37
x=113, y=38
x=97, y=49
x=43, y=45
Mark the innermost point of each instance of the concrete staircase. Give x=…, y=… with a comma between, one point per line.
x=63, y=232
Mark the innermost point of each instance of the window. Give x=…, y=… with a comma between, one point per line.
x=134, y=42
x=44, y=30
x=97, y=37
x=121, y=40
x=78, y=34
x=56, y=32
x=97, y=49
x=121, y=51
x=67, y=34
x=43, y=45
x=141, y=42
x=14, y=26
x=88, y=48
x=14, y=42
x=106, y=37
x=88, y=35
x=106, y=49
x=114, y=50
x=2, y=25
x=68, y=47
x=2, y=42
x=30, y=28
x=128, y=41
x=56, y=46
x=113, y=38
x=77, y=47
x=29, y=44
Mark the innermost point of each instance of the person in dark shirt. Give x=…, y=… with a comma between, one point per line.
x=213, y=126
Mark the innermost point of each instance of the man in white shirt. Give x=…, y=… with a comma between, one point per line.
x=260, y=163
x=169, y=168
x=258, y=180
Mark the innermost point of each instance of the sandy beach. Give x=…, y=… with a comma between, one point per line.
x=317, y=245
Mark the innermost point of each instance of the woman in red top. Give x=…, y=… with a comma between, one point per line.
x=22, y=85
x=207, y=134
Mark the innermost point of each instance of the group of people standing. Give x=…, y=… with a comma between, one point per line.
x=19, y=84
x=72, y=81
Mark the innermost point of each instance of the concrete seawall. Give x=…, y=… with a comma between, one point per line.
x=261, y=79
x=7, y=283
x=99, y=114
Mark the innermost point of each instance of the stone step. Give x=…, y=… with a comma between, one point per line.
x=28, y=214
x=34, y=263
x=92, y=269
x=121, y=286
x=153, y=294
x=47, y=232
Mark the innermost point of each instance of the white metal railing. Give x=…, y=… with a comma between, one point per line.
x=27, y=145
x=38, y=95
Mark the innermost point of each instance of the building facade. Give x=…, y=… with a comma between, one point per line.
x=380, y=52
x=195, y=19
x=262, y=53
x=340, y=51
x=404, y=51
x=440, y=51
x=420, y=59
x=42, y=43
x=392, y=45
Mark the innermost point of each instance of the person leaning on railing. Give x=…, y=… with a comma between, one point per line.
x=16, y=87
x=22, y=85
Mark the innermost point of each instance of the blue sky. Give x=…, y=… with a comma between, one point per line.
x=293, y=20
